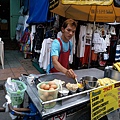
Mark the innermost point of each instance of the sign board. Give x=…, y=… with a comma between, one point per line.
x=104, y=100
x=103, y=14
x=88, y=2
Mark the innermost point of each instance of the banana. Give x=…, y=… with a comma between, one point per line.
x=101, y=82
x=113, y=81
x=118, y=63
x=105, y=81
x=115, y=65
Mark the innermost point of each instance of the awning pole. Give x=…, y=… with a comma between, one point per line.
x=92, y=39
x=91, y=45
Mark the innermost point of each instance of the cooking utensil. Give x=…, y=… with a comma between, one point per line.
x=77, y=82
x=89, y=82
x=60, y=83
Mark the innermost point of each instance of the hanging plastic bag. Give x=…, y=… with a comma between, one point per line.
x=25, y=37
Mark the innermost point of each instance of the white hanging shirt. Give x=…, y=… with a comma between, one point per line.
x=89, y=28
x=81, y=42
x=96, y=38
x=59, y=34
x=101, y=46
x=107, y=39
x=44, y=58
x=33, y=30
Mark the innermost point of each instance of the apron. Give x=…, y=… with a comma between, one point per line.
x=63, y=58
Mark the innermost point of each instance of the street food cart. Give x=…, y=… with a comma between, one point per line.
x=75, y=106
x=69, y=104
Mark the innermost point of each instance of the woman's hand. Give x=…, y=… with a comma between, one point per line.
x=70, y=73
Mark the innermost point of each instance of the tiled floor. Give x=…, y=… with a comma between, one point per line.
x=15, y=65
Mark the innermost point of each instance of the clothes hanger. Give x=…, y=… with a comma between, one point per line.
x=40, y=26
x=96, y=31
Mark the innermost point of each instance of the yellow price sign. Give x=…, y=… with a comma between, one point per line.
x=104, y=100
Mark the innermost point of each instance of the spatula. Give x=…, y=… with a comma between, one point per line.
x=77, y=82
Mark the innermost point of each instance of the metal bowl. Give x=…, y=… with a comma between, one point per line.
x=89, y=82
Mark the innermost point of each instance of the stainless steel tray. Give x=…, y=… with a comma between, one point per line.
x=113, y=74
x=65, y=99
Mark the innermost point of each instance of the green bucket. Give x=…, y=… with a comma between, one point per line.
x=18, y=96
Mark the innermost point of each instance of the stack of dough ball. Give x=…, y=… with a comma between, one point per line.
x=72, y=87
x=48, y=92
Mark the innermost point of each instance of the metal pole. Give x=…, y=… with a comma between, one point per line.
x=91, y=45
x=92, y=38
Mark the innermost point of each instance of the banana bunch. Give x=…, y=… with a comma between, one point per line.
x=117, y=66
x=105, y=81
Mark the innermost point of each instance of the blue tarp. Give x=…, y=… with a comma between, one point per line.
x=38, y=11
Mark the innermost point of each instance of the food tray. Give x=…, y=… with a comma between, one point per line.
x=71, y=97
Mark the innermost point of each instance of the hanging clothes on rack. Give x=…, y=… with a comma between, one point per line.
x=107, y=39
x=44, y=58
x=117, y=55
x=33, y=30
x=50, y=33
x=37, y=41
x=40, y=36
x=25, y=41
x=20, y=28
x=84, y=60
x=113, y=44
x=100, y=44
x=81, y=42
